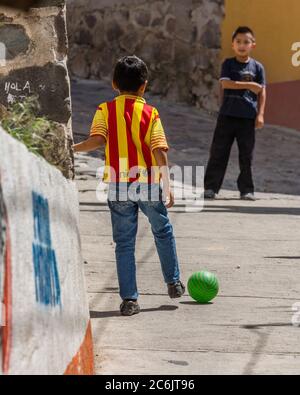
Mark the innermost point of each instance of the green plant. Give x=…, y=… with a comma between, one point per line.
x=41, y=136
x=22, y=123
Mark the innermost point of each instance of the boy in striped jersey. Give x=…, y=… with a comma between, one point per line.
x=136, y=163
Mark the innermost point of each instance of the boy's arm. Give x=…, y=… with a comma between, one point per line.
x=227, y=81
x=91, y=144
x=161, y=158
x=236, y=85
x=98, y=133
x=262, y=99
x=159, y=148
x=221, y=95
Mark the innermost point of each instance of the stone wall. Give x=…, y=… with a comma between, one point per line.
x=34, y=53
x=180, y=41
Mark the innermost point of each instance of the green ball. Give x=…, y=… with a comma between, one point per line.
x=203, y=287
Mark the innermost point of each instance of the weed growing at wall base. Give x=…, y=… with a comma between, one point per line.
x=22, y=123
x=41, y=136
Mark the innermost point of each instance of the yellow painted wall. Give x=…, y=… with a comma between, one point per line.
x=276, y=24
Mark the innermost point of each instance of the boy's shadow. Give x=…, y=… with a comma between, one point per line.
x=109, y=314
x=196, y=303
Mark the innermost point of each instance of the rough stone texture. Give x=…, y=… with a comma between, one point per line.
x=15, y=39
x=26, y=4
x=180, y=41
x=4, y=18
x=36, y=55
x=51, y=79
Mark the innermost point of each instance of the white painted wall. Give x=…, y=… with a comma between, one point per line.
x=44, y=339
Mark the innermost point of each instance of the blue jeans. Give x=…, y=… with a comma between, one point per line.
x=124, y=216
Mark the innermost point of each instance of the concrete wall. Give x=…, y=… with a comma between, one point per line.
x=180, y=41
x=45, y=325
x=276, y=25
x=33, y=55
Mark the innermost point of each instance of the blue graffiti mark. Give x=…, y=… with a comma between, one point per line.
x=47, y=284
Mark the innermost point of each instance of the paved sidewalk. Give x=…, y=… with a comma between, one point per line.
x=254, y=250
x=252, y=247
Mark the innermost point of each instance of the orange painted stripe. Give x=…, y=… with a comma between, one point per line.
x=83, y=362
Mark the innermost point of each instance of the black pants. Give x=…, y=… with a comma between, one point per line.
x=228, y=129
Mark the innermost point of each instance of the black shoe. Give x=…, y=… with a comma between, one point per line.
x=176, y=290
x=129, y=307
x=209, y=194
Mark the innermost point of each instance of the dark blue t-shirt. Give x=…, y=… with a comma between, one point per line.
x=241, y=103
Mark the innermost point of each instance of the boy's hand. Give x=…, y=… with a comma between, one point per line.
x=255, y=88
x=237, y=85
x=162, y=161
x=169, y=197
x=260, y=122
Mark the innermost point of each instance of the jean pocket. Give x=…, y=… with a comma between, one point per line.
x=120, y=207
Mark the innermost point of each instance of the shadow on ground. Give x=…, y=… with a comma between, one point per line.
x=253, y=210
x=109, y=314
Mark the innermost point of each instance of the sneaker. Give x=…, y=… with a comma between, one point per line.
x=129, y=307
x=248, y=196
x=209, y=194
x=176, y=290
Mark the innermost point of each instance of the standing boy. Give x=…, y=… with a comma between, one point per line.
x=136, y=159
x=243, y=104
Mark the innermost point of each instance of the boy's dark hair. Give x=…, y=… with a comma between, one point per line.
x=130, y=74
x=243, y=30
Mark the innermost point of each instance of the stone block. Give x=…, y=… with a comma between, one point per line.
x=180, y=41
x=36, y=45
x=16, y=40
x=46, y=83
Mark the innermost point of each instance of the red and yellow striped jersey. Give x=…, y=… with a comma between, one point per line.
x=133, y=130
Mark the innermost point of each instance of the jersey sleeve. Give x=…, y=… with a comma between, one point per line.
x=158, y=137
x=99, y=125
x=261, y=75
x=225, y=71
